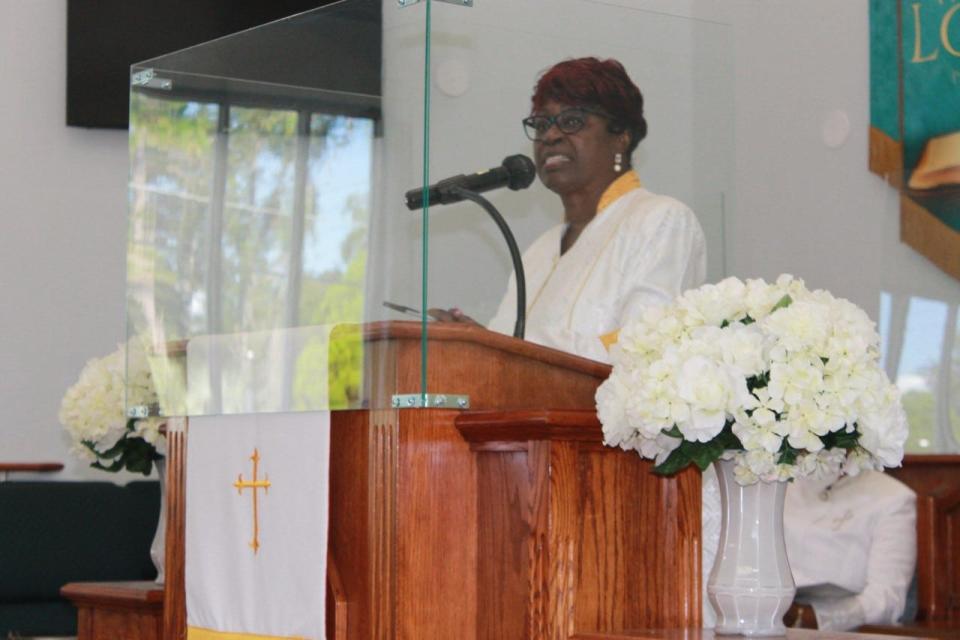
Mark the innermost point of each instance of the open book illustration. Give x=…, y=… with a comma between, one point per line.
x=939, y=164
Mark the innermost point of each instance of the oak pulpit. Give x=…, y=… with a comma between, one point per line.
x=507, y=520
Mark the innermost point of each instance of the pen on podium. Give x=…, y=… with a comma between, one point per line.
x=402, y=308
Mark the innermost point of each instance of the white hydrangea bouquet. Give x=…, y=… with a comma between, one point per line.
x=93, y=411
x=783, y=380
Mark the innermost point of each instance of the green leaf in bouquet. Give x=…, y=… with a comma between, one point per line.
x=841, y=439
x=140, y=456
x=758, y=381
x=113, y=467
x=788, y=454
x=110, y=453
x=782, y=303
x=673, y=432
x=727, y=439
x=705, y=453
x=675, y=462
x=113, y=452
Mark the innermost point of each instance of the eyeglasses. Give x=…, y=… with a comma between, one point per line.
x=568, y=121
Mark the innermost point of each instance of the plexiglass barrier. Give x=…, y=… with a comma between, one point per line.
x=252, y=199
x=271, y=252
x=484, y=64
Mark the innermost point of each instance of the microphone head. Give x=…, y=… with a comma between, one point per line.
x=520, y=171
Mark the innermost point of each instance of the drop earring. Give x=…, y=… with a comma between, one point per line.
x=618, y=162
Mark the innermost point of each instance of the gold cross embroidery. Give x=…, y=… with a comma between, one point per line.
x=254, y=484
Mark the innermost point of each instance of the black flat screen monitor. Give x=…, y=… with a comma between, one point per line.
x=105, y=37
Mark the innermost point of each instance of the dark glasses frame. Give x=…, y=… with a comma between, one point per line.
x=532, y=131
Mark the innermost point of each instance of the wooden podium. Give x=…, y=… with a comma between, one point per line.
x=510, y=520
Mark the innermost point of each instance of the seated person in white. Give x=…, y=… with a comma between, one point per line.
x=620, y=248
x=852, y=546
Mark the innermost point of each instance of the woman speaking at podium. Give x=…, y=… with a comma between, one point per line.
x=620, y=248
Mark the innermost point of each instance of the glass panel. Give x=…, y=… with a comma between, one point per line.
x=268, y=171
x=260, y=236
x=919, y=337
x=484, y=62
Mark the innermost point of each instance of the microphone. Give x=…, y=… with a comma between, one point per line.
x=516, y=172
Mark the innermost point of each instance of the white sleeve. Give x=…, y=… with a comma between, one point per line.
x=890, y=566
x=667, y=256
x=664, y=255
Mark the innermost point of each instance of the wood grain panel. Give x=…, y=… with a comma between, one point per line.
x=611, y=545
x=175, y=608
x=352, y=538
x=563, y=537
x=506, y=550
x=117, y=610
x=437, y=524
x=495, y=370
x=383, y=522
x=949, y=521
x=337, y=618
x=929, y=474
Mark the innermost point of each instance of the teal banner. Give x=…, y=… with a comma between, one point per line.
x=915, y=118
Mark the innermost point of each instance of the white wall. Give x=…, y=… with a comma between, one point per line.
x=62, y=230
x=485, y=61
x=801, y=206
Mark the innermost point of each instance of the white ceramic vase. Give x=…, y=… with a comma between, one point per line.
x=750, y=586
x=157, y=547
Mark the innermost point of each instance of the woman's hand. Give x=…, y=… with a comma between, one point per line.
x=450, y=315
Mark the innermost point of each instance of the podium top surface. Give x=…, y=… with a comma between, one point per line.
x=497, y=372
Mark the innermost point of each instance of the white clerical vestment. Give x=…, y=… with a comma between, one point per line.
x=640, y=250
x=852, y=547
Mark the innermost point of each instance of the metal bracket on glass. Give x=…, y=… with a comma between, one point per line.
x=430, y=401
x=409, y=3
x=143, y=411
x=149, y=79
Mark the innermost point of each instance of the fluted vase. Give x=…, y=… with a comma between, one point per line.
x=751, y=586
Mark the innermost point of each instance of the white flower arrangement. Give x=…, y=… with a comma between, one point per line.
x=783, y=380
x=93, y=411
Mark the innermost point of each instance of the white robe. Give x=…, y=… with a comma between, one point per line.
x=852, y=548
x=641, y=250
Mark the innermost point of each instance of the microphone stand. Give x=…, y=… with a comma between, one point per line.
x=473, y=196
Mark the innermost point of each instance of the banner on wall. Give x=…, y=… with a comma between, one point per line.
x=915, y=119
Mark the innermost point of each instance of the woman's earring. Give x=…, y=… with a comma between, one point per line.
x=618, y=162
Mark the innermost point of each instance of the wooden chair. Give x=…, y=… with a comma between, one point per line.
x=938, y=557
x=936, y=480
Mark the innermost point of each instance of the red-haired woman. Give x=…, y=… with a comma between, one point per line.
x=621, y=248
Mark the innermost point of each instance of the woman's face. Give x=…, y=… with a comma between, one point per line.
x=580, y=161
